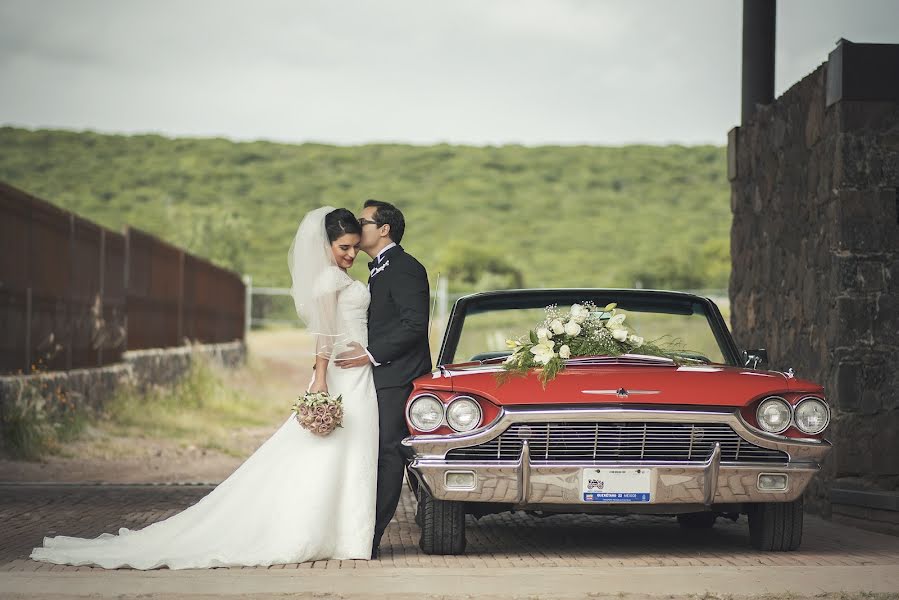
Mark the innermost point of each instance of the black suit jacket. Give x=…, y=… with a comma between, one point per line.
x=398, y=319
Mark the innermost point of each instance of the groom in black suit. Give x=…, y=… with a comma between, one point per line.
x=397, y=343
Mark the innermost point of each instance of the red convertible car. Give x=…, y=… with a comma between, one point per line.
x=699, y=434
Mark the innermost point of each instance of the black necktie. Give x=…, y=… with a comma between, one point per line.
x=372, y=264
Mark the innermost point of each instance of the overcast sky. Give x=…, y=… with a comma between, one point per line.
x=415, y=71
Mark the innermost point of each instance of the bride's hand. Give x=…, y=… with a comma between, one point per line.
x=355, y=356
x=319, y=385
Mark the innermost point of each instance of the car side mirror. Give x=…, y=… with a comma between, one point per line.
x=755, y=359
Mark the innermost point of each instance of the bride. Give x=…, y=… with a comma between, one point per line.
x=299, y=497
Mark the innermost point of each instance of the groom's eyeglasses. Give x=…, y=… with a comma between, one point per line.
x=364, y=222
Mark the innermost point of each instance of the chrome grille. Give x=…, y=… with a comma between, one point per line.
x=621, y=442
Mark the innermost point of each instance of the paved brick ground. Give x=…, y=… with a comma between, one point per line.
x=27, y=513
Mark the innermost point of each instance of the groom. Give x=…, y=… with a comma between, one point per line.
x=397, y=343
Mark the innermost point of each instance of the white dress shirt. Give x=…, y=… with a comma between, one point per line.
x=383, y=250
x=378, y=261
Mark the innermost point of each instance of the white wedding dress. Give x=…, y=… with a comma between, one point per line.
x=298, y=498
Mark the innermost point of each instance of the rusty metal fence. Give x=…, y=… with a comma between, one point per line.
x=74, y=294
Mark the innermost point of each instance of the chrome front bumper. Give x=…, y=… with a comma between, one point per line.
x=530, y=482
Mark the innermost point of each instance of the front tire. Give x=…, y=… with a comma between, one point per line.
x=442, y=525
x=776, y=526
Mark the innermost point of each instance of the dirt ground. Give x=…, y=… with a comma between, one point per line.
x=281, y=366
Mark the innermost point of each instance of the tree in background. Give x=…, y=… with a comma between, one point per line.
x=705, y=267
x=468, y=266
x=219, y=237
x=579, y=216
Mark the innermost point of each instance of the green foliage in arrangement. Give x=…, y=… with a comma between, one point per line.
x=655, y=216
x=200, y=408
x=584, y=330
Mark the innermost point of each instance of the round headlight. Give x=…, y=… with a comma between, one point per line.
x=774, y=415
x=811, y=415
x=426, y=413
x=463, y=414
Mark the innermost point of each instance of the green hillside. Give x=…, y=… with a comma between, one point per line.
x=484, y=216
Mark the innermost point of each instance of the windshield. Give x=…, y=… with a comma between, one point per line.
x=681, y=324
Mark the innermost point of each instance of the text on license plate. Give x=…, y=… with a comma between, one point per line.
x=616, y=485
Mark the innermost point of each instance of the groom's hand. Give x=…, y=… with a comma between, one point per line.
x=354, y=357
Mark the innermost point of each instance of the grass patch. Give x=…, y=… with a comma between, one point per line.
x=203, y=409
x=209, y=408
x=39, y=421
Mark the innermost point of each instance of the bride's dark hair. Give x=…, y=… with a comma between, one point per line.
x=339, y=222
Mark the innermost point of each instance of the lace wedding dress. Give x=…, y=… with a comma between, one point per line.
x=298, y=498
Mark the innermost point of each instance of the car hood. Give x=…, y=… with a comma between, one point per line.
x=663, y=383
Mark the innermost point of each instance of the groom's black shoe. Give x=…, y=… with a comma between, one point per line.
x=375, y=553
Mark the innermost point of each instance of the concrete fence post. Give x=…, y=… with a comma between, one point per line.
x=443, y=301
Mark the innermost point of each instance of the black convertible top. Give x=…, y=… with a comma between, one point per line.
x=629, y=299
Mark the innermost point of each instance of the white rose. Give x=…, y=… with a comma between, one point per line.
x=557, y=327
x=543, y=333
x=565, y=352
x=578, y=313
x=619, y=334
x=636, y=340
x=572, y=328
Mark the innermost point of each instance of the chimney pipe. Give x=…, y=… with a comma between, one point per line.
x=759, y=17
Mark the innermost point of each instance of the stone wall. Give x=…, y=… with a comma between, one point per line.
x=815, y=280
x=165, y=365
x=90, y=389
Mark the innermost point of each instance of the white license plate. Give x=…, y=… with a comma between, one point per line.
x=616, y=485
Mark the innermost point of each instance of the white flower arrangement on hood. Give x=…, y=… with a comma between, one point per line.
x=585, y=330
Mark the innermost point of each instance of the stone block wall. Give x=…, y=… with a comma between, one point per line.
x=815, y=280
x=161, y=366
x=90, y=389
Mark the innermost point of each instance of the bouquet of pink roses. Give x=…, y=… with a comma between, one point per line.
x=319, y=412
